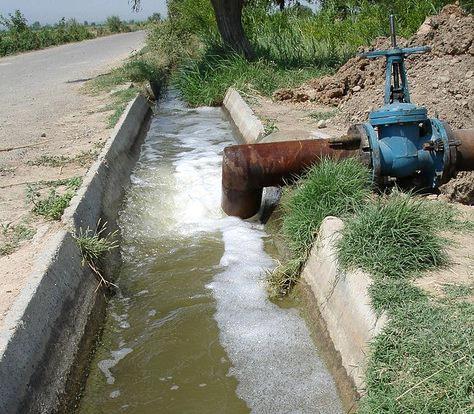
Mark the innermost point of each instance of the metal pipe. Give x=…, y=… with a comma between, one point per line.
x=464, y=140
x=246, y=169
x=393, y=33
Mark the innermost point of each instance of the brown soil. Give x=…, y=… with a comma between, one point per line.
x=75, y=134
x=442, y=81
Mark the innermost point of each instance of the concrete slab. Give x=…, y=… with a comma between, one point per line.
x=343, y=301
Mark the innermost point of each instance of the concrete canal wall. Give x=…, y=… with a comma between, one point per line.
x=48, y=324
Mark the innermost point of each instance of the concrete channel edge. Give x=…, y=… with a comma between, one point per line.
x=341, y=298
x=343, y=302
x=250, y=129
x=44, y=328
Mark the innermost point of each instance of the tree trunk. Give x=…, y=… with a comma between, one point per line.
x=229, y=22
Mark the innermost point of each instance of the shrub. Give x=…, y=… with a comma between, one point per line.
x=115, y=25
x=19, y=37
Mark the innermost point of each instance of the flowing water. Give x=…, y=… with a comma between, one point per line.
x=192, y=330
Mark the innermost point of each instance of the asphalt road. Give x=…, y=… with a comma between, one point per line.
x=37, y=87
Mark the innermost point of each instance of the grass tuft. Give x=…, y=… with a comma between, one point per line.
x=329, y=188
x=205, y=80
x=94, y=245
x=421, y=362
x=322, y=115
x=393, y=237
x=13, y=236
x=84, y=157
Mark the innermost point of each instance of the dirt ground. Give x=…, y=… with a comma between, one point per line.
x=75, y=134
x=41, y=146
x=442, y=80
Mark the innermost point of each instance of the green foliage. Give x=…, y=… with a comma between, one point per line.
x=293, y=40
x=140, y=70
x=94, y=244
x=329, y=188
x=269, y=126
x=13, y=236
x=458, y=291
x=145, y=67
x=53, y=204
x=115, y=25
x=205, y=81
x=20, y=37
x=393, y=237
x=83, y=158
x=321, y=116
x=420, y=362
x=49, y=161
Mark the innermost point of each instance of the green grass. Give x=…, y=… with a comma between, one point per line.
x=422, y=361
x=456, y=291
x=322, y=115
x=94, y=245
x=120, y=101
x=290, y=46
x=205, y=81
x=330, y=188
x=52, y=204
x=13, y=236
x=138, y=70
x=269, y=126
x=49, y=161
x=83, y=158
x=393, y=237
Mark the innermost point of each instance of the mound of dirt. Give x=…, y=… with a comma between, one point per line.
x=441, y=80
x=460, y=189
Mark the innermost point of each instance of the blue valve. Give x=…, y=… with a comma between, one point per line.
x=403, y=142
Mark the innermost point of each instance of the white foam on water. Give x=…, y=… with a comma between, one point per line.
x=106, y=364
x=114, y=394
x=272, y=354
x=270, y=348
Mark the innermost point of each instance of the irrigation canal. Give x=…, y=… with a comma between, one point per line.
x=191, y=329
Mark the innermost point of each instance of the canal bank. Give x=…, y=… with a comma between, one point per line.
x=50, y=322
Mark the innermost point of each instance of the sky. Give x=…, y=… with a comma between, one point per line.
x=50, y=11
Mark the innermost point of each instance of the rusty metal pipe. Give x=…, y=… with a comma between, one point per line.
x=464, y=139
x=246, y=169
